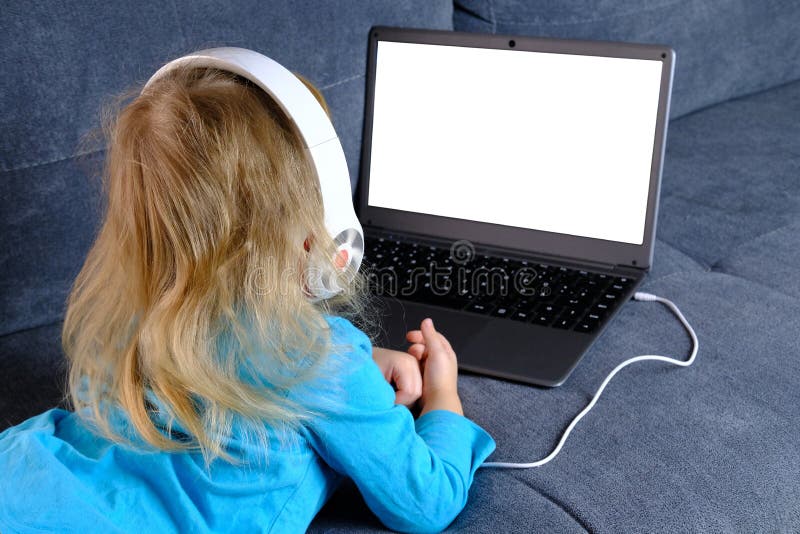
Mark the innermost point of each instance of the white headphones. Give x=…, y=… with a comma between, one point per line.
x=319, y=139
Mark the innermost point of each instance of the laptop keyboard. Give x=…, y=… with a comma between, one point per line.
x=456, y=277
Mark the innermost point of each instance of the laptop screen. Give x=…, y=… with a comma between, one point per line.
x=553, y=142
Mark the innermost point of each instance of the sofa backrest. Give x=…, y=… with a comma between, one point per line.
x=61, y=61
x=724, y=48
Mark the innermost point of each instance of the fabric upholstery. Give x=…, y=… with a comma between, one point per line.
x=731, y=174
x=33, y=371
x=724, y=48
x=769, y=260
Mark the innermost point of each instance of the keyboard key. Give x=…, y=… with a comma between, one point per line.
x=571, y=313
x=564, y=323
x=520, y=315
x=502, y=311
x=586, y=327
x=524, y=304
x=479, y=307
x=546, y=295
x=550, y=309
x=601, y=308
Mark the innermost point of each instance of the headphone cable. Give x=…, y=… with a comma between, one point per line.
x=643, y=297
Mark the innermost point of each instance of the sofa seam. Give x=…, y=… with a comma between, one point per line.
x=546, y=495
x=340, y=82
x=714, y=266
x=743, y=96
x=29, y=328
x=42, y=163
x=459, y=6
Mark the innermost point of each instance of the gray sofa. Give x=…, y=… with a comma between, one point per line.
x=714, y=447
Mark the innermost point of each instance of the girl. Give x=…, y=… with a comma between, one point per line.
x=210, y=392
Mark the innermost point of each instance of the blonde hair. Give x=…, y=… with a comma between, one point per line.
x=193, y=291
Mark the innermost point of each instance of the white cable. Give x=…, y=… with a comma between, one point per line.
x=647, y=297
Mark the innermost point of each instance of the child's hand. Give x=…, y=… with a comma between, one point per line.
x=440, y=371
x=402, y=370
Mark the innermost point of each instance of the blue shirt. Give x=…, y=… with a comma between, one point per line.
x=56, y=475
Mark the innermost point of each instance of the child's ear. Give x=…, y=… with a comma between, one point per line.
x=341, y=259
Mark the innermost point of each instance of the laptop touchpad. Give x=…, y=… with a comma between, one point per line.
x=400, y=317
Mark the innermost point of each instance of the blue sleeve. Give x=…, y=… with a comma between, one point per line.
x=414, y=476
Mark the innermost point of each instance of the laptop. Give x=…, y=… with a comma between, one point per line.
x=509, y=189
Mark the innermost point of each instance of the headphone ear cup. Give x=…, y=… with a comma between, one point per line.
x=325, y=281
x=351, y=241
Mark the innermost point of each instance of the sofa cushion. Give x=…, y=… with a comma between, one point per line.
x=771, y=260
x=730, y=174
x=725, y=48
x=60, y=63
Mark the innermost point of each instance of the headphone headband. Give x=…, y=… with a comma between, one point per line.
x=319, y=139
x=285, y=88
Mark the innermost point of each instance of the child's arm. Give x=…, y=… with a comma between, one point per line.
x=414, y=476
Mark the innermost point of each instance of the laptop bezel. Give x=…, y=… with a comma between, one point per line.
x=546, y=243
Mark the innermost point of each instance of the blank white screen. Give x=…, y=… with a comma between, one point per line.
x=554, y=142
